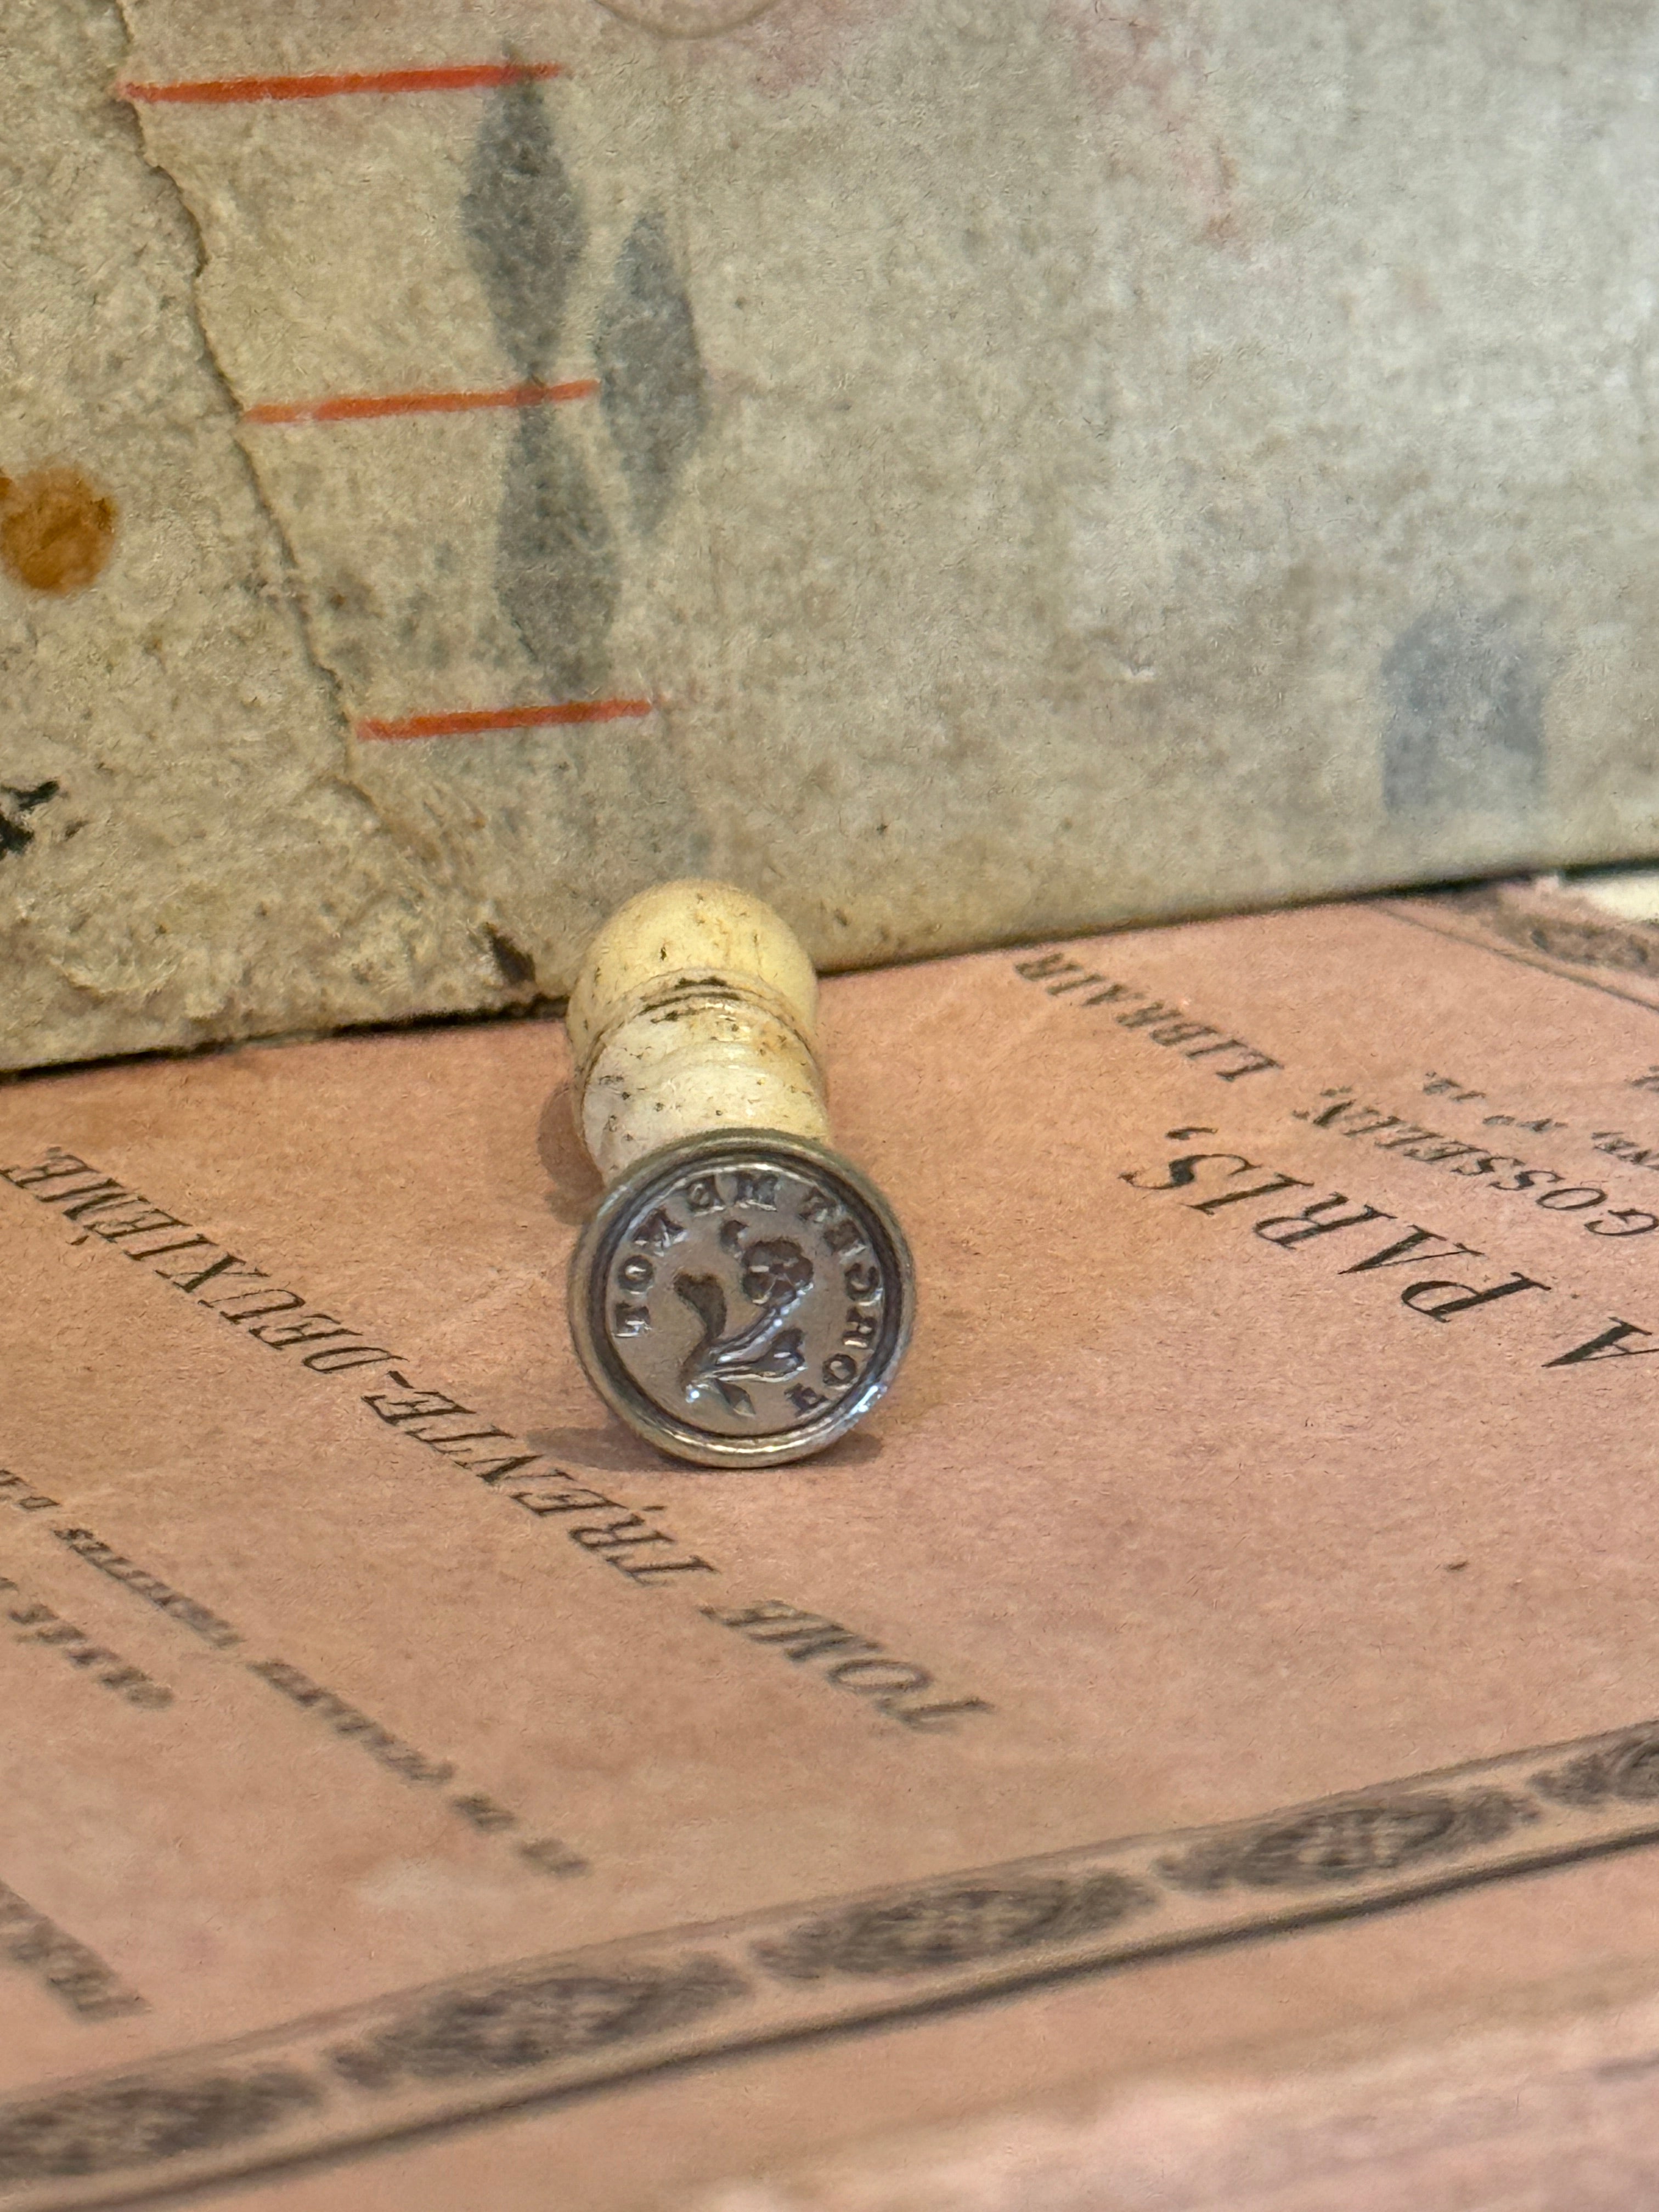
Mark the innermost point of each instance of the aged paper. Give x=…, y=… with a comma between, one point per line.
x=183, y=854
x=1006, y=423
x=966, y=469
x=418, y=1789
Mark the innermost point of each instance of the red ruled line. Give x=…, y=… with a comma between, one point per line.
x=364, y=407
x=509, y=718
x=229, y=91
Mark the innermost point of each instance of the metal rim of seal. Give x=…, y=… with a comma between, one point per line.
x=648, y=1183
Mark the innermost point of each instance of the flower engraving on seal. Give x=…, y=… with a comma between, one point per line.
x=776, y=1276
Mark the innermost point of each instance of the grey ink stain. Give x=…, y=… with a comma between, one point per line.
x=525, y=226
x=651, y=387
x=555, y=567
x=558, y=576
x=556, y=570
x=1465, y=728
x=16, y=807
x=514, y=963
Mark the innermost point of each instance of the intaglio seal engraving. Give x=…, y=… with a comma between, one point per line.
x=742, y=1297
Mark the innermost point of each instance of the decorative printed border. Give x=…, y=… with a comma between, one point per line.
x=1552, y=934
x=593, y=2018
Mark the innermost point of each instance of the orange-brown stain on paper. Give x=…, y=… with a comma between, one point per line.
x=57, y=530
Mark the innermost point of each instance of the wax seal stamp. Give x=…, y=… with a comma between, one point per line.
x=743, y=1295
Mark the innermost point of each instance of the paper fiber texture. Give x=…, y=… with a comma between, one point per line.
x=183, y=854
x=1143, y=1726
x=963, y=468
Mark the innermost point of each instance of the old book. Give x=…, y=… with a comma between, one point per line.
x=967, y=469
x=1197, y=1746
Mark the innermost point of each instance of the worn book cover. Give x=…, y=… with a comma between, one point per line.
x=966, y=470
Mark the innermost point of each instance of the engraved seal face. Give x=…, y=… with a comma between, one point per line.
x=742, y=1298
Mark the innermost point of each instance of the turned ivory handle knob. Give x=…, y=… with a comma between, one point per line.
x=743, y=1295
